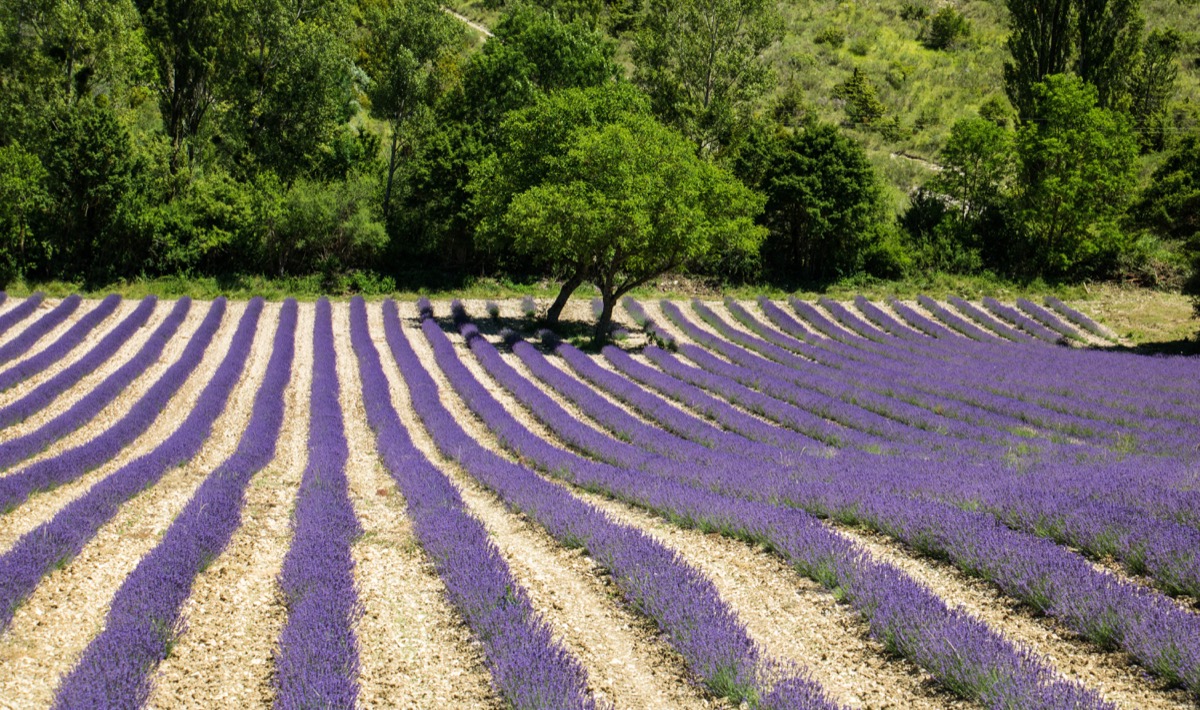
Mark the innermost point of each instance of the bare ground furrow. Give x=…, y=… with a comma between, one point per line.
x=42, y=506
x=67, y=610
x=1113, y=674
x=121, y=404
x=627, y=664
x=414, y=651
x=233, y=615
x=793, y=618
x=119, y=314
x=30, y=318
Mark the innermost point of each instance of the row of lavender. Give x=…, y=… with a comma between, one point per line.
x=316, y=662
x=646, y=472
x=1086, y=505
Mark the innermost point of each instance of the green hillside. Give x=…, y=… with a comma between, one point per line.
x=925, y=90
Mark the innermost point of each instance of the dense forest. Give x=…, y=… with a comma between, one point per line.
x=599, y=141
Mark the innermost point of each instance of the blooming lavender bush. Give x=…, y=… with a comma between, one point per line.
x=316, y=662
x=59, y=348
x=144, y=618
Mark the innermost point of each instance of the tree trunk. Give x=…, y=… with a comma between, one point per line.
x=564, y=293
x=604, y=323
x=391, y=173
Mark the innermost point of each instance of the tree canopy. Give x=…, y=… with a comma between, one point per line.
x=619, y=199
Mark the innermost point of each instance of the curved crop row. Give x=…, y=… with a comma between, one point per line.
x=59, y=539
x=144, y=617
x=964, y=654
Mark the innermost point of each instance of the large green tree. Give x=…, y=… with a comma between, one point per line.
x=824, y=209
x=186, y=39
x=1040, y=44
x=1109, y=35
x=1152, y=84
x=626, y=201
x=411, y=44
x=1078, y=172
x=701, y=62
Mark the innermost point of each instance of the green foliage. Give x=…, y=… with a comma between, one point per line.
x=95, y=183
x=1109, y=35
x=1170, y=205
x=701, y=62
x=862, y=104
x=408, y=57
x=1152, y=84
x=946, y=29
x=626, y=201
x=534, y=52
x=824, y=210
x=184, y=39
x=329, y=226
x=1040, y=44
x=833, y=36
x=23, y=200
x=1077, y=176
x=530, y=142
x=958, y=222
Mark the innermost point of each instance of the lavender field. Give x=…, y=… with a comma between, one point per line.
x=760, y=504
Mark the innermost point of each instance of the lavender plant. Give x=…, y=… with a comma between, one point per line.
x=144, y=618
x=316, y=661
x=58, y=349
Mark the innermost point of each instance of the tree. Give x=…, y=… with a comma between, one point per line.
x=91, y=176
x=532, y=52
x=184, y=37
x=862, y=104
x=22, y=198
x=1152, y=84
x=409, y=42
x=291, y=87
x=824, y=208
x=1109, y=33
x=701, y=62
x=946, y=28
x=532, y=55
x=959, y=220
x=1170, y=205
x=1078, y=170
x=1040, y=43
x=627, y=201
x=978, y=163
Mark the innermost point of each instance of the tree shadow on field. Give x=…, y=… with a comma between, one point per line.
x=1185, y=347
x=576, y=332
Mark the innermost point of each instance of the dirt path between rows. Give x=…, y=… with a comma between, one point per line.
x=626, y=663
x=42, y=506
x=68, y=609
x=233, y=616
x=415, y=652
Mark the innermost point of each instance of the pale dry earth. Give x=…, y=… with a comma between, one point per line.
x=414, y=649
